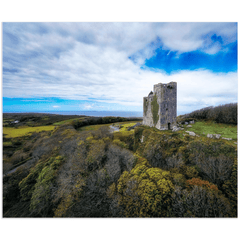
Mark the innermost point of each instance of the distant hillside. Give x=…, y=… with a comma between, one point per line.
x=221, y=114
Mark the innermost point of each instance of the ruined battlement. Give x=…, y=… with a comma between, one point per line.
x=160, y=107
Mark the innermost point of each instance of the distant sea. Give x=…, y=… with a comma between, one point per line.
x=96, y=113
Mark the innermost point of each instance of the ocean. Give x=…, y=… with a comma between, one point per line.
x=96, y=113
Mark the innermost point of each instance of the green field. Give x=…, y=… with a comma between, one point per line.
x=22, y=131
x=203, y=128
x=124, y=125
x=7, y=144
x=67, y=121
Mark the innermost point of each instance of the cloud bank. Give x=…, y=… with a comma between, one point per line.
x=104, y=62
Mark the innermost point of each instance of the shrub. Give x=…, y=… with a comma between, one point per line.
x=145, y=192
x=199, y=201
x=41, y=200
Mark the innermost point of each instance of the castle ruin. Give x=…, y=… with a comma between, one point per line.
x=160, y=107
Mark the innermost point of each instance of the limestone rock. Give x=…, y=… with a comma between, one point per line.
x=217, y=136
x=214, y=136
x=175, y=129
x=189, y=126
x=186, y=123
x=191, y=133
x=191, y=122
x=229, y=139
x=209, y=135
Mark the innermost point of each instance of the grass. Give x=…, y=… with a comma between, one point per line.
x=22, y=131
x=203, y=128
x=7, y=120
x=124, y=125
x=7, y=144
x=67, y=121
x=45, y=118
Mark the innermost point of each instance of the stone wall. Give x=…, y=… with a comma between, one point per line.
x=160, y=107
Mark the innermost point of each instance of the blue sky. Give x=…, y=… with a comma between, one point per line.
x=112, y=66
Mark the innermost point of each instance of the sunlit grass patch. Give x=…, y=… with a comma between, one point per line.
x=93, y=127
x=7, y=144
x=66, y=121
x=45, y=118
x=124, y=125
x=7, y=120
x=203, y=128
x=19, y=132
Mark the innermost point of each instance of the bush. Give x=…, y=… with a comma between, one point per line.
x=221, y=114
x=144, y=191
x=199, y=201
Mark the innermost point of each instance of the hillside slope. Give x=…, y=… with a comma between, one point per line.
x=142, y=173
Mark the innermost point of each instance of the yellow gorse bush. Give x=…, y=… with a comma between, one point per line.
x=145, y=191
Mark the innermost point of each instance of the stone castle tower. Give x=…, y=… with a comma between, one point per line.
x=160, y=107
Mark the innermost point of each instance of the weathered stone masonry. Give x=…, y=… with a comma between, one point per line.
x=160, y=107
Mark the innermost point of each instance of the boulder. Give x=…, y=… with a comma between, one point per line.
x=227, y=138
x=186, y=123
x=217, y=136
x=189, y=125
x=191, y=133
x=214, y=136
x=209, y=135
x=191, y=122
x=175, y=129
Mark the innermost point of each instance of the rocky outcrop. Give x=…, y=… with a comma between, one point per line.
x=175, y=129
x=214, y=136
x=192, y=133
x=229, y=139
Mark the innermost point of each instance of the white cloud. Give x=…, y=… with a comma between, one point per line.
x=56, y=106
x=186, y=37
x=89, y=61
x=88, y=106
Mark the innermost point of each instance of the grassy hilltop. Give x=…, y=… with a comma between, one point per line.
x=78, y=167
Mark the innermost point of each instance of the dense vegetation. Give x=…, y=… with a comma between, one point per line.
x=221, y=114
x=84, y=170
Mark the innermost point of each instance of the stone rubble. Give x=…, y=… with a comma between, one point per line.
x=214, y=136
x=175, y=129
x=192, y=133
x=229, y=139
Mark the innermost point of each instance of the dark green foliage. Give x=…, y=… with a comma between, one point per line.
x=199, y=202
x=214, y=159
x=99, y=120
x=11, y=191
x=27, y=184
x=221, y=114
x=230, y=188
x=41, y=200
